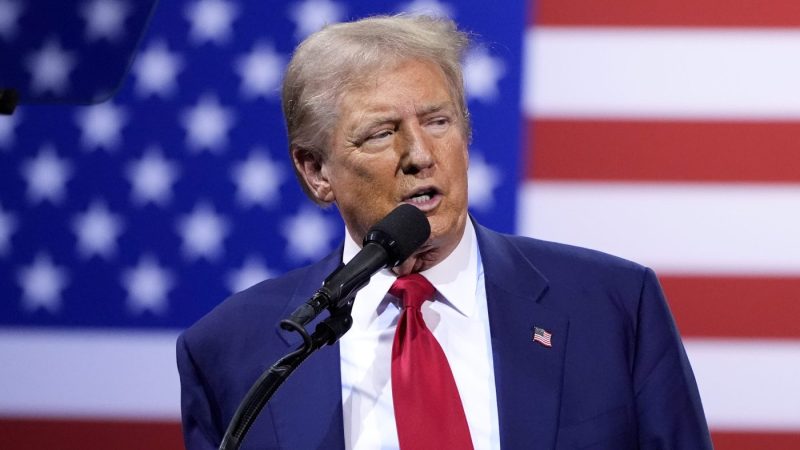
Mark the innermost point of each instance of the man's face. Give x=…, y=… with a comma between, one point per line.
x=400, y=139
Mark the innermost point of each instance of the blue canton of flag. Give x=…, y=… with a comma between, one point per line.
x=147, y=209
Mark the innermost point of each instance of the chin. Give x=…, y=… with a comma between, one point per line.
x=441, y=232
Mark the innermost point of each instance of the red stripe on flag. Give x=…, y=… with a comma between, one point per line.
x=755, y=440
x=37, y=434
x=683, y=13
x=88, y=435
x=663, y=150
x=746, y=307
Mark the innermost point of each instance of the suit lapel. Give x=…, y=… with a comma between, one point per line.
x=307, y=410
x=528, y=375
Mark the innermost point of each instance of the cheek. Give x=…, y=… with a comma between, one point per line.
x=364, y=173
x=458, y=165
x=365, y=184
x=346, y=176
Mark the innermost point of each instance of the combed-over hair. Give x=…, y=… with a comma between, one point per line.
x=342, y=56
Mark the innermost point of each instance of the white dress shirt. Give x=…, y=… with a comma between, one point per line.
x=458, y=318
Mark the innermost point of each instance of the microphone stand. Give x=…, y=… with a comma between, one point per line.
x=327, y=332
x=390, y=241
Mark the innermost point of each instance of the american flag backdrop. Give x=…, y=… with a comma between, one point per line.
x=664, y=132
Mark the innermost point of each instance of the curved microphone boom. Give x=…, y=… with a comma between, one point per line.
x=387, y=244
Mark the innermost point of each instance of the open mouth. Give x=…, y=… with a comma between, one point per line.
x=426, y=198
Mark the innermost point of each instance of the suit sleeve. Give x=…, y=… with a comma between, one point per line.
x=200, y=431
x=669, y=410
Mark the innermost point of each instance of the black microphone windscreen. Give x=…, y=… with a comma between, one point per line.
x=401, y=232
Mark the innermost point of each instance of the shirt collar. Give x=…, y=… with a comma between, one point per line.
x=455, y=278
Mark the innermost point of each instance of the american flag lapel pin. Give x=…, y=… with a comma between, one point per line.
x=542, y=336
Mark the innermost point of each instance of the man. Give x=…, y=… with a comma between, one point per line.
x=548, y=346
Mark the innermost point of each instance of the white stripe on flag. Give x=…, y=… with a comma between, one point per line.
x=132, y=375
x=97, y=374
x=676, y=228
x=748, y=384
x=667, y=73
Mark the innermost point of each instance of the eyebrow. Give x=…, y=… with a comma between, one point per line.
x=393, y=118
x=429, y=109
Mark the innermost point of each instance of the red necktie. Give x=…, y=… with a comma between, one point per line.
x=427, y=407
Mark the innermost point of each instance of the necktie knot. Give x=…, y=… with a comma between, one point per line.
x=412, y=290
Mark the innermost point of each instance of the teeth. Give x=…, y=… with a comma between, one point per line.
x=420, y=199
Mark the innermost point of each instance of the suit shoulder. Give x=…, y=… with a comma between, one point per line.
x=259, y=307
x=557, y=257
x=574, y=271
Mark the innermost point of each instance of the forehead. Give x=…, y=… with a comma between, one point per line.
x=404, y=88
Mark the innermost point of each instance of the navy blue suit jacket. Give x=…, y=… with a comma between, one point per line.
x=616, y=376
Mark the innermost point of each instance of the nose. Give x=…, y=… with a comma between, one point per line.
x=418, y=151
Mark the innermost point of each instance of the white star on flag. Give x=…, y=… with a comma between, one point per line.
x=312, y=15
x=260, y=71
x=207, y=124
x=105, y=19
x=147, y=284
x=482, y=73
x=156, y=70
x=7, y=125
x=46, y=175
x=42, y=283
x=428, y=8
x=9, y=15
x=258, y=179
x=203, y=231
x=151, y=178
x=50, y=68
x=211, y=20
x=481, y=183
x=97, y=230
x=101, y=125
x=8, y=224
x=253, y=271
x=308, y=235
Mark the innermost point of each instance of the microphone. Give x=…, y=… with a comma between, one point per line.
x=387, y=244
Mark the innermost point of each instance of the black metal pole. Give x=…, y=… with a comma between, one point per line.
x=327, y=332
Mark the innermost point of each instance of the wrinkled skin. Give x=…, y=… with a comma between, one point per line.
x=399, y=139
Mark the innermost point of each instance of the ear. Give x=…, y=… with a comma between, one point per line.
x=312, y=169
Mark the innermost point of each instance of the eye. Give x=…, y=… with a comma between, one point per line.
x=380, y=135
x=439, y=124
